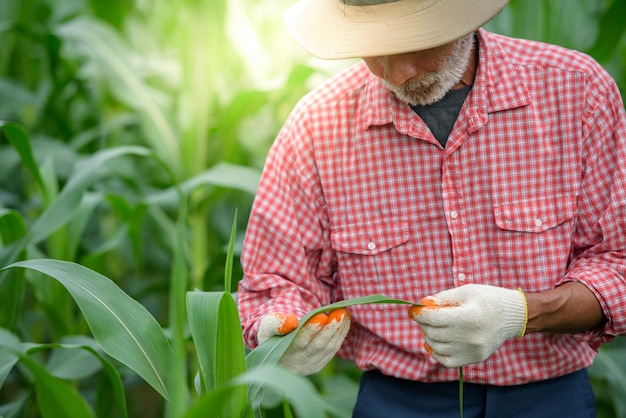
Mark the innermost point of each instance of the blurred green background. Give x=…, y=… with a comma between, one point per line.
x=205, y=85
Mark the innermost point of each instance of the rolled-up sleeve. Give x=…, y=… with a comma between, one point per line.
x=600, y=240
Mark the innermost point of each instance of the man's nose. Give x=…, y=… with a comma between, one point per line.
x=401, y=68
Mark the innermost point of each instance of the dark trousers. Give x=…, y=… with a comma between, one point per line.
x=382, y=396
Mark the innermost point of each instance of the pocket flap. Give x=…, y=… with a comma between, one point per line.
x=370, y=238
x=535, y=215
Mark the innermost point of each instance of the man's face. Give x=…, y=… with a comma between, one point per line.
x=423, y=77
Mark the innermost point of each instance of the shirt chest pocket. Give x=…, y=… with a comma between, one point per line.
x=535, y=215
x=534, y=235
x=371, y=256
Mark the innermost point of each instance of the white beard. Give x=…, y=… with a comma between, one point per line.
x=434, y=86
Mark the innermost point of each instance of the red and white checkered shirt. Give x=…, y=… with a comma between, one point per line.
x=358, y=198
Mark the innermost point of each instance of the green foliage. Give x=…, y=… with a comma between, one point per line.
x=115, y=319
x=130, y=133
x=608, y=375
x=126, y=331
x=594, y=27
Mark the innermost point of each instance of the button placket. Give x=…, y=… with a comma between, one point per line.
x=453, y=200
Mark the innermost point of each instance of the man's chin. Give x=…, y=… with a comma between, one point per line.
x=422, y=99
x=423, y=96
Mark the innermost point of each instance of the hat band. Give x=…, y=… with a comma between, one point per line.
x=366, y=2
x=382, y=10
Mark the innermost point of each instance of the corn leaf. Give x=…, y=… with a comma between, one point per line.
x=10, y=346
x=213, y=404
x=12, y=350
x=8, y=359
x=611, y=29
x=78, y=347
x=12, y=228
x=461, y=391
x=123, y=327
x=56, y=397
x=93, y=40
x=18, y=136
x=223, y=174
x=179, y=278
x=228, y=267
x=298, y=390
x=216, y=331
x=273, y=348
x=64, y=207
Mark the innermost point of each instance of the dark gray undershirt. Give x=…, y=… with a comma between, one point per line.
x=441, y=116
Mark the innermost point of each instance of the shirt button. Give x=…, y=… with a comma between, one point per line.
x=454, y=214
x=371, y=246
x=461, y=277
x=538, y=222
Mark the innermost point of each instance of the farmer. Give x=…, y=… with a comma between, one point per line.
x=481, y=175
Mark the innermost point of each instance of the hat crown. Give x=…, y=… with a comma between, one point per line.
x=337, y=29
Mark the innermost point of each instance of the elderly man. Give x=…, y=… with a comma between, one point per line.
x=479, y=174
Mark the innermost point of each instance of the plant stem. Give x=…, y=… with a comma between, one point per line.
x=461, y=391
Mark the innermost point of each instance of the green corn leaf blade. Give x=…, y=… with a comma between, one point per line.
x=72, y=363
x=12, y=288
x=8, y=359
x=111, y=244
x=461, y=391
x=10, y=347
x=214, y=404
x=70, y=355
x=225, y=175
x=55, y=397
x=287, y=409
x=123, y=327
x=98, y=44
x=273, y=348
x=18, y=136
x=77, y=225
x=63, y=208
x=179, y=279
x=228, y=268
x=12, y=226
x=298, y=390
x=610, y=367
x=10, y=340
x=611, y=29
x=216, y=331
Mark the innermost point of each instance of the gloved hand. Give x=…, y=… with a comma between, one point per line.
x=467, y=324
x=317, y=342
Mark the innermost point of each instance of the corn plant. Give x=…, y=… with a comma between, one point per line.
x=125, y=331
x=122, y=331
x=134, y=131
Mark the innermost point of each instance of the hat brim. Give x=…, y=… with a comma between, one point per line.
x=330, y=29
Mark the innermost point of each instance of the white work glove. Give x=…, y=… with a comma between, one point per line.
x=467, y=324
x=317, y=342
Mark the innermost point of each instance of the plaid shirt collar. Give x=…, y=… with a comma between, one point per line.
x=494, y=90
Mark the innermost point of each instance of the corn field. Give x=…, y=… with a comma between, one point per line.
x=132, y=137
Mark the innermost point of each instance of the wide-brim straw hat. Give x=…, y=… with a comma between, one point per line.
x=339, y=29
